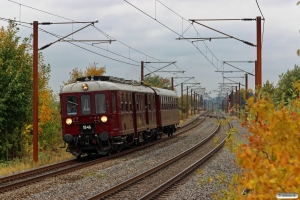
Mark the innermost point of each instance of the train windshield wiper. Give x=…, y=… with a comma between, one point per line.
x=73, y=103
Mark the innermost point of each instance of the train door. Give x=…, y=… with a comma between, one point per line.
x=146, y=109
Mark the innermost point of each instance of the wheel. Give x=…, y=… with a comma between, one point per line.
x=78, y=156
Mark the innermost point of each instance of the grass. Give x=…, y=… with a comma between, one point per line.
x=45, y=158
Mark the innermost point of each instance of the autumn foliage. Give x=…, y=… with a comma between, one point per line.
x=271, y=159
x=91, y=70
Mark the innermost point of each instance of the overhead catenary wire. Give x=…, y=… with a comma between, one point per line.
x=5, y=19
x=93, y=26
x=248, y=43
x=108, y=36
x=172, y=31
x=191, y=24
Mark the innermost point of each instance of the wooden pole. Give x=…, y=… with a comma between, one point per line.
x=187, y=101
x=258, y=71
x=236, y=101
x=142, y=71
x=239, y=100
x=182, y=101
x=35, y=91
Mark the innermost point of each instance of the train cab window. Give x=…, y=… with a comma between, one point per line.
x=72, y=105
x=85, y=104
x=113, y=99
x=100, y=103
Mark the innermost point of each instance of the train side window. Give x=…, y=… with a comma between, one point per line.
x=141, y=103
x=173, y=103
x=100, y=103
x=114, y=107
x=167, y=103
x=149, y=102
x=126, y=102
x=72, y=105
x=121, y=102
x=85, y=104
x=137, y=102
x=130, y=102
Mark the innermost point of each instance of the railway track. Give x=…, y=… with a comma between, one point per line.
x=152, y=183
x=21, y=179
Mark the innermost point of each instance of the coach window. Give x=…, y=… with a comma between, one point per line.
x=126, y=102
x=173, y=103
x=100, y=103
x=121, y=102
x=130, y=102
x=72, y=105
x=149, y=102
x=114, y=107
x=140, y=103
x=137, y=102
x=167, y=103
x=85, y=104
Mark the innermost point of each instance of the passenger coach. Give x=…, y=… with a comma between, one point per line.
x=101, y=114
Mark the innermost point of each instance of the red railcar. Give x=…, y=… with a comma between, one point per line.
x=101, y=114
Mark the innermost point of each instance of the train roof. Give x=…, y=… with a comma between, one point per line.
x=102, y=83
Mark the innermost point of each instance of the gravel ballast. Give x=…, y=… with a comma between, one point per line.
x=87, y=182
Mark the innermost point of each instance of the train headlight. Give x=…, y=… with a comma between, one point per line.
x=103, y=119
x=69, y=121
x=84, y=86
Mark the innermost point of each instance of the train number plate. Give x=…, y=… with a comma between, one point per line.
x=87, y=128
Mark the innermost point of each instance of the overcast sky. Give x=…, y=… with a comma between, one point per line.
x=139, y=37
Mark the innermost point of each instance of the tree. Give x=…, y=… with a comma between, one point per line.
x=271, y=160
x=91, y=70
x=298, y=51
x=16, y=98
x=284, y=90
x=183, y=108
x=16, y=90
x=268, y=88
x=157, y=81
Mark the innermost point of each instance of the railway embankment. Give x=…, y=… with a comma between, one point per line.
x=214, y=176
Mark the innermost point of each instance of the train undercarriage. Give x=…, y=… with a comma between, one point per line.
x=103, y=145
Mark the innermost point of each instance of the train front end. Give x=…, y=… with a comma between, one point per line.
x=86, y=118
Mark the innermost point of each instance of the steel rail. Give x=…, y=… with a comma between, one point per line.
x=6, y=187
x=171, y=182
x=153, y=170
